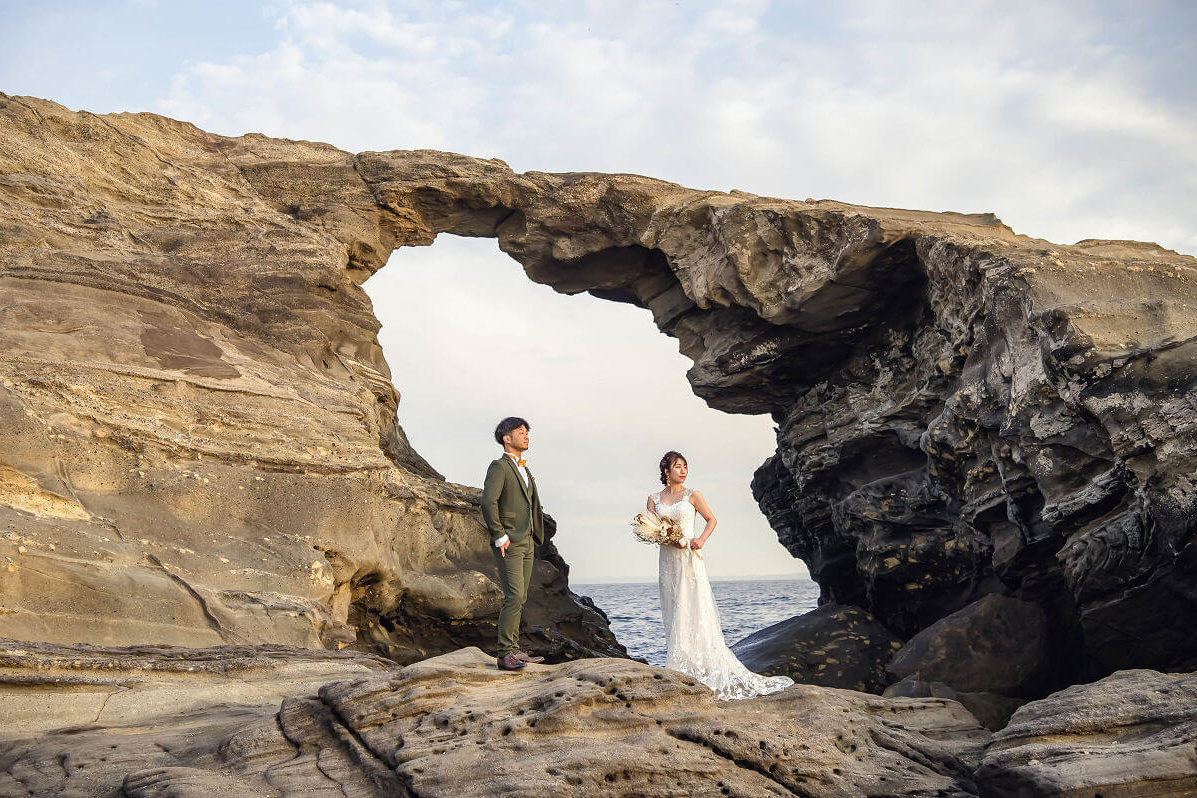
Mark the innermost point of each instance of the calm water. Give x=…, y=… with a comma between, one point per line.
x=744, y=607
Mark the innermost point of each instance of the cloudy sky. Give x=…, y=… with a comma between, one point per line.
x=1067, y=120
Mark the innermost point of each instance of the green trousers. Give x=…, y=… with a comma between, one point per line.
x=515, y=572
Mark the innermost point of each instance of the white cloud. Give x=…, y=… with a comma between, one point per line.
x=1021, y=109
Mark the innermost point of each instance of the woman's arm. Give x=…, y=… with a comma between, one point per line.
x=700, y=504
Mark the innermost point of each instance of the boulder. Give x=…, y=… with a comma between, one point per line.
x=832, y=646
x=996, y=644
x=1129, y=734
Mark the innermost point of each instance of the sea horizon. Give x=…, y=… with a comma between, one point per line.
x=745, y=606
x=653, y=580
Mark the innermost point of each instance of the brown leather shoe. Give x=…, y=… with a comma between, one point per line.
x=522, y=657
x=510, y=662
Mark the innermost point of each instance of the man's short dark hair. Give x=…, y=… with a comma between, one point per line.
x=509, y=425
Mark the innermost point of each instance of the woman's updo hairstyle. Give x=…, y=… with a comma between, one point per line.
x=667, y=462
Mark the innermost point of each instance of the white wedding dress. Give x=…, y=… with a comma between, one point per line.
x=693, y=637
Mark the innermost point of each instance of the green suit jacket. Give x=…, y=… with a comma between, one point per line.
x=508, y=506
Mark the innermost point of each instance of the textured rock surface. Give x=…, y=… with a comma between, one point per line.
x=991, y=710
x=77, y=719
x=1028, y=427
x=201, y=443
x=46, y=687
x=832, y=646
x=996, y=644
x=454, y=725
x=1131, y=734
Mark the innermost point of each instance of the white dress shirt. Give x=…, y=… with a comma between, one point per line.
x=527, y=481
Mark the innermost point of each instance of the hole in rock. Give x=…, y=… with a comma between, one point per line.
x=470, y=339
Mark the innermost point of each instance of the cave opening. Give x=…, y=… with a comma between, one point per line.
x=470, y=340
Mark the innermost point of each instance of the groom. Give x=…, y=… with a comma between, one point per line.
x=511, y=509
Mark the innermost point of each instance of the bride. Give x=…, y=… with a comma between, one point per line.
x=693, y=637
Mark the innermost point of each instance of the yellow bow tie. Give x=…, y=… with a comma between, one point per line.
x=521, y=463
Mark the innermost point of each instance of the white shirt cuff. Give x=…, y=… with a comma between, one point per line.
x=499, y=543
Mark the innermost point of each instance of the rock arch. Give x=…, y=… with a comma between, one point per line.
x=960, y=410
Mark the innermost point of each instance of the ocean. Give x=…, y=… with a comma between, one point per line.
x=745, y=605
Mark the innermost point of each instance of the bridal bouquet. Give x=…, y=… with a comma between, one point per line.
x=652, y=528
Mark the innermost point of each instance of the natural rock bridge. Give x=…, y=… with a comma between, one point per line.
x=201, y=444
x=976, y=431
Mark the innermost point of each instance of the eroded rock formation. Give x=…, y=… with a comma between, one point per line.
x=200, y=442
x=455, y=725
x=961, y=411
x=1132, y=733
x=281, y=721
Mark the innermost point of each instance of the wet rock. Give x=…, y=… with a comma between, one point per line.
x=832, y=646
x=996, y=644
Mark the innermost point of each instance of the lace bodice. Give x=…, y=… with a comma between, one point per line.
x=681, y=510
x=693, y=637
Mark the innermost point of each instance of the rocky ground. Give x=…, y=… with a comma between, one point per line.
x=455, y=725
x=279, y=721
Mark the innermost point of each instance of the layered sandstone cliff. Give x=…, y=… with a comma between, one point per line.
x=200, y=441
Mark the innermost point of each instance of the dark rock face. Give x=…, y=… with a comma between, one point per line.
x=832, y=646
x=996, y=644
x=1130, y=734
x=1027, y=431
